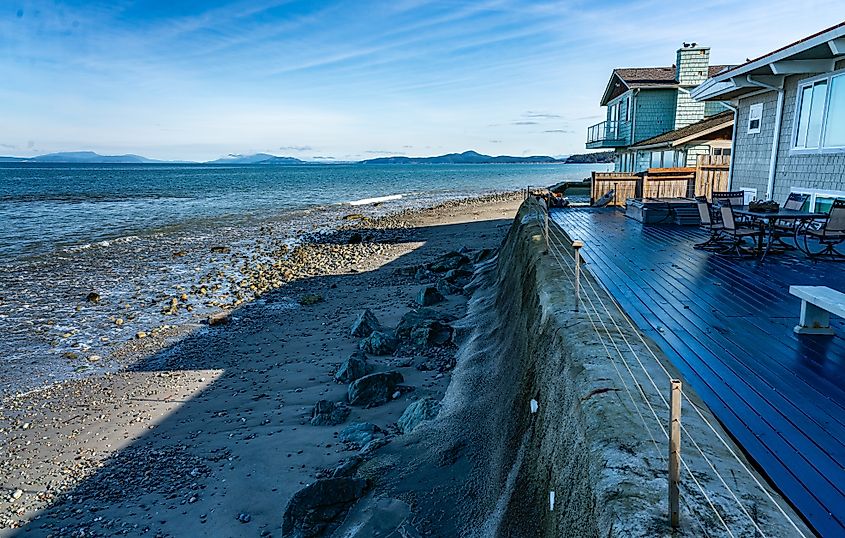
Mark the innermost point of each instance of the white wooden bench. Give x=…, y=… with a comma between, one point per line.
x=817, y=303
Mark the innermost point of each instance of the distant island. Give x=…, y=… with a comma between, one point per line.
x=600, y=157
x=467, y=157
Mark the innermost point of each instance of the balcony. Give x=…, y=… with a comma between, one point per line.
x=605, y=135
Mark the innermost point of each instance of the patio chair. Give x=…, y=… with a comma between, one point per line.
x=736, y=233
x=789, y=228
x=735, y=198
x=716, y=241
x=828, y=233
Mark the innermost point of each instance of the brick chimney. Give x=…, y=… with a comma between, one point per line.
x=692, y=64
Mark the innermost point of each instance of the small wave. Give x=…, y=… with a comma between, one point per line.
x=105, y=243
x=365, y=201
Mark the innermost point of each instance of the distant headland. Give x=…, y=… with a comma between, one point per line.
x=467, y=157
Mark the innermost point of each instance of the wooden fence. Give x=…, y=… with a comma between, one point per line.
x=623, y=185
x=709, y=175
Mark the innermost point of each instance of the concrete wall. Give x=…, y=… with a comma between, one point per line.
x=752, y=152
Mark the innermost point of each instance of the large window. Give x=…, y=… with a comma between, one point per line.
x=820, y=200
x=820, y=114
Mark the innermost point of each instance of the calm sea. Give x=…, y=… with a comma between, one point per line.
x=68, y=230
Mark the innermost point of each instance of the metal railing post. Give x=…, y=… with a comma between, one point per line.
x=577, y=246
x=546, y=203
x=675, y=454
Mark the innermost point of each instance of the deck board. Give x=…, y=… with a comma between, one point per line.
x=727, y=324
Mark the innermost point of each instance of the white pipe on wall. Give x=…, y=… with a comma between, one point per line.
x=773, y=158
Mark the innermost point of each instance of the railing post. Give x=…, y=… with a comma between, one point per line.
x=675, y=454
x=546, y=203
x=577, y=246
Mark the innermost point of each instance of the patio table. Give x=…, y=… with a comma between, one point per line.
x=769, y=221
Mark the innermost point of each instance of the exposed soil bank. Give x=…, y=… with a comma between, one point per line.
x=486, y=466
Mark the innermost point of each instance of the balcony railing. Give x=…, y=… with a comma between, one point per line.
x=604, y=131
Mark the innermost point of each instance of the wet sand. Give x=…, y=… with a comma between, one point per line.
x=208, y=431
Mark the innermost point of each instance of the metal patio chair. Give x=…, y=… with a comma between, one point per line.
x=829, y=233
x=789, y=228
x=716, y=241
x=734, y=198
x=736, y=232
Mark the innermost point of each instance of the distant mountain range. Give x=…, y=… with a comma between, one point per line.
x=467, y=157
x=88, y=157
x=258, y=158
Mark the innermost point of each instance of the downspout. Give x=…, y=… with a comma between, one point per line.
x=635, y=154
x=770, y=185
x=733, y=146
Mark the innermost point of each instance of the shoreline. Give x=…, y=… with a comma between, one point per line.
x=93, y=339
x=221, y=411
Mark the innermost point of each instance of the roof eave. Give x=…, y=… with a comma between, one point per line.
x=829, y=36
x=605, y=98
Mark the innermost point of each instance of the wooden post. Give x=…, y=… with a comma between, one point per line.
x=577, y=246
x=546, y=203
x=675, y=454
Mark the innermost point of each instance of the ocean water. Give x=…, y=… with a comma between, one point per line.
x=68, y=230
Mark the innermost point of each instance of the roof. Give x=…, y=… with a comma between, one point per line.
x=816, y=53
x=647, y=77
x=690, y=132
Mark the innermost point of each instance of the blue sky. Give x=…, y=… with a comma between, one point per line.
x=349, y=79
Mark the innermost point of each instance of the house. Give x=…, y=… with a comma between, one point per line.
x=790, y=120
x=646, y=102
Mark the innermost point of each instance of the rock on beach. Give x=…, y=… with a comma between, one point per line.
x=374, y=389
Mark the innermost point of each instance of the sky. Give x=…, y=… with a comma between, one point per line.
x=347, y=80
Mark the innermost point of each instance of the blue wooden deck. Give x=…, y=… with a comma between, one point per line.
x=727, y=326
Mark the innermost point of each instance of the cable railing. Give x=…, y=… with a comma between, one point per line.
x=630, y=365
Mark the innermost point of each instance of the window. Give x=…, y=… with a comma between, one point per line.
x=755, y=117
x=820, y=200
x=721, y=151
x=820, y=114
x=628, y=108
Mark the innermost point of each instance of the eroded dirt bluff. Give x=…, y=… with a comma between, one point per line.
x=486, y=466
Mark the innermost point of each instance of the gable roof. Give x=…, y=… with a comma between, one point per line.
x=628, y=78
x=696, y=130
x=815, y=53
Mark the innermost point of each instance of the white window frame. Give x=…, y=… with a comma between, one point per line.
x=817, y=193
x=755, y=112
x=799, y=90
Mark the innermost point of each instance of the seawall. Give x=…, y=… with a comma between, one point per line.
x=487, y=466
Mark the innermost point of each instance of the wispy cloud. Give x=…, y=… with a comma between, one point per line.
x=296, y=148
x=200, y=79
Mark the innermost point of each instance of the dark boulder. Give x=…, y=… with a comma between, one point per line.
x=431, y=333
x=449, y=261
x=353, y=368
x=93, y=297
x=374, y=389
x=317, y=509
x=447, y=288
x=355, y=238
x=413, y=318
x=429, y=296
x=365, y=323
x=379, y=343
x=326, y=413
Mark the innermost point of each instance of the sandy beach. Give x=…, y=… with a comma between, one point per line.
x=208, y=429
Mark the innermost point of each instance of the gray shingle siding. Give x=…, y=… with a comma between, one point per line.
x=752, y=152
x=655, y=113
